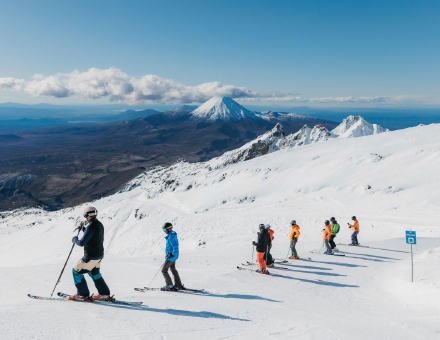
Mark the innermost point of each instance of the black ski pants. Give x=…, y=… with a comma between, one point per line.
x=171, y=265
x=332, y=241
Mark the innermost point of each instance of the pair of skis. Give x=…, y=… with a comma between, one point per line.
x=353, y=245
x=274, y=267
x=67, y=297
x=187, y=290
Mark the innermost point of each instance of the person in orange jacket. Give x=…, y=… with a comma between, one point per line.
x=355, y=226
x=268, y=257
x=327, y=234
x=294, y=235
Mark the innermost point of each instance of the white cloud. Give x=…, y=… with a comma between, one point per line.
x=117, y=86
x=120, y=87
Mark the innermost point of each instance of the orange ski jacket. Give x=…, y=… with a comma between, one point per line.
x=327, y=232
x=355, y=225
x=295, y=232
x=271, y=232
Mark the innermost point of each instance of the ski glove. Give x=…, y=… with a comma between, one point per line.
x=74, y=239
x=169, y=256
x=253, y=243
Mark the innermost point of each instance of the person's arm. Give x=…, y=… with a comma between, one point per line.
x=88, y=233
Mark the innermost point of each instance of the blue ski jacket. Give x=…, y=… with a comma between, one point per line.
x=172, y=246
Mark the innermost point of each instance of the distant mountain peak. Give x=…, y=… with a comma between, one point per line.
x=222, y=109
x=356, y=126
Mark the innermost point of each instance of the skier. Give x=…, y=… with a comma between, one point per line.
x=90, y=263
x=262, y=244
x=335, y=230
x=355, y=226
x=171, y=255
x=327, y=235
x=294, y=235
x=269, y=259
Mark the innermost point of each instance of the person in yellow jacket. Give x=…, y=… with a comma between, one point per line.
x=355, y=226
x=294, y=235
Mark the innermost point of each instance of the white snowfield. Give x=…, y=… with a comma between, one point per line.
x=390, y=181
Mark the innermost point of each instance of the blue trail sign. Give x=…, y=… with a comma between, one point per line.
x=411, y=237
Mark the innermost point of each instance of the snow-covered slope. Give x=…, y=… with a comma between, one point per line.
x=389, y=181
x=222, y=109
x=356, y=126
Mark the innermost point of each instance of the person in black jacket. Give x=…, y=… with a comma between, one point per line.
x=93, y=243
x=262, y=245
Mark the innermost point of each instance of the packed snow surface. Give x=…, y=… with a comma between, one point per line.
x=389, y=181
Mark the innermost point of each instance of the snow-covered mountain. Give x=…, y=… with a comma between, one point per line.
x=219, y=109
x=262, y=145
x=307, y=135
x=282, y=116
x=356, y=126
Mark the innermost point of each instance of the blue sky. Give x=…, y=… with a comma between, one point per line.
x=292, y=52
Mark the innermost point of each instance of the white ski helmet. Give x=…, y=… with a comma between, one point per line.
x=267, y=226
x=90, y=212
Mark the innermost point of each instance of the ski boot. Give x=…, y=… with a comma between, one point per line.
x=170, y=288
x=270, y=265
x=80, y=298
x=328, y=253
x=180, y=287
x=109, y=298
x=262, y=271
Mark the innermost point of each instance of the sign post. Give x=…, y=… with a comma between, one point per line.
x=411, y=239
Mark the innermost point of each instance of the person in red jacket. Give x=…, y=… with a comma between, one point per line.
x=327, y=234
x=269, y=259
x=355, y=226
x=294, y=235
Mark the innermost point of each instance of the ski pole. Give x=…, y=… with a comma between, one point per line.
x=287, y=256
x=253, y=248
x=321, y=247
x=73, y=245
x=156, y=275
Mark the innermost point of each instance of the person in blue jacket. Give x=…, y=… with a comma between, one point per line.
x=171, y=256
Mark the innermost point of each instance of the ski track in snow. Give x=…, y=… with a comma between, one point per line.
x=366, y=294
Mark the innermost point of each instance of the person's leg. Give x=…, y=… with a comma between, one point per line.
x=98, y=280
x=260, y=257
x=332, y=243
x=165, y=274
x=291, y=247
x=81, y=268
x=269, y=258
x=327, y=245
x=177, y=281
x=294, y=253
x=356, y=237
x=353, y=238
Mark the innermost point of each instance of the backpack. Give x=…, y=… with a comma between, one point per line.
x=337, y=227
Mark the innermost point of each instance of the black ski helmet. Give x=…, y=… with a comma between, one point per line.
x=90, y=212
x=327, y=222
x=353, y=218
x=293, y=222
x=262, y=226
x=333, y=219
x=167, y=226
x=267, y=226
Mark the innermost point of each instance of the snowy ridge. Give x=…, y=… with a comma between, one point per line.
x=356, y=126
x=222, y=109
x=307, y=135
